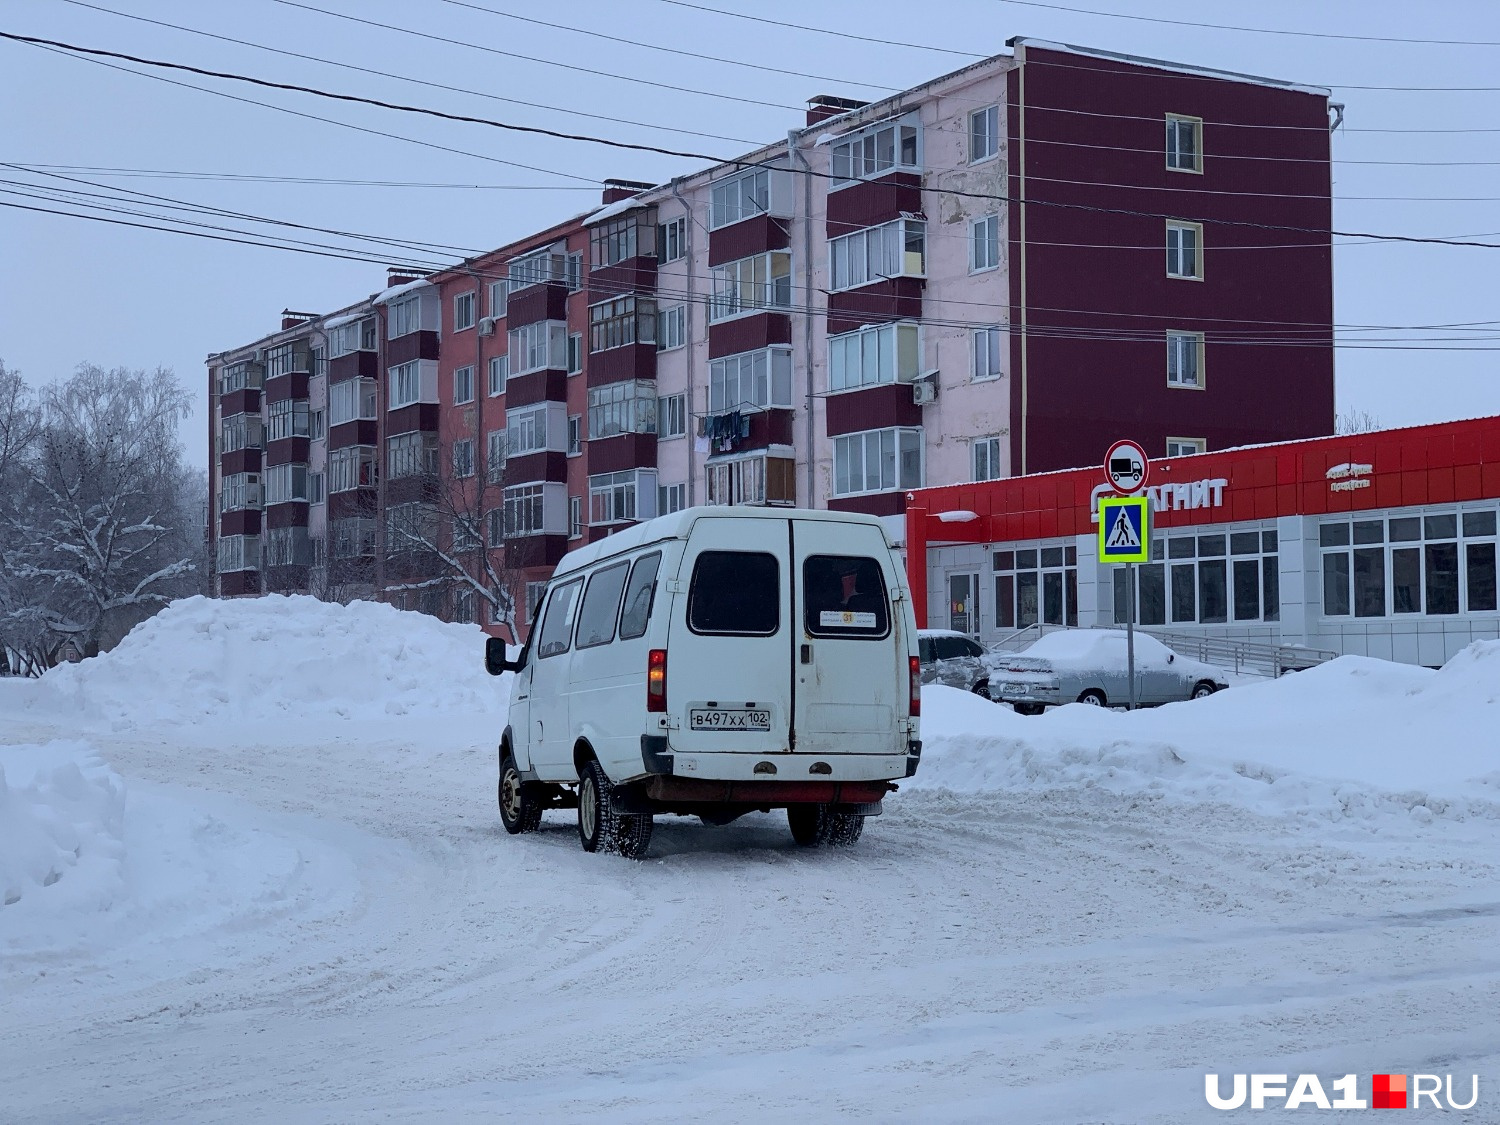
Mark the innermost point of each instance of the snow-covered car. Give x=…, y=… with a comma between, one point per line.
x=953, y=659
x=1089, y=666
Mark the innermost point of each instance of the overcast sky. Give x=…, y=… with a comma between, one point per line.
x=73, y=290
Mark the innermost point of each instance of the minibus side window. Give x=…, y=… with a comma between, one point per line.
x=557, y=625
x=639, y=596
x=601, y=604
x=737, y=593
x=844, y=596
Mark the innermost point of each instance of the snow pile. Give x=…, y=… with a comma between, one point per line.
x=62, y=813
x=256, y=659
x=1354, y=737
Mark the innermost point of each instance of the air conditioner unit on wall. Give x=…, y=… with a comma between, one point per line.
x=486, y=326
x=924, y=391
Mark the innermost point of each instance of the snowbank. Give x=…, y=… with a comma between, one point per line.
x=62, y=812
x=256, y=659
x=1352, y=737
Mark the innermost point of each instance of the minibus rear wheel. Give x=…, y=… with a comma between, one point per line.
x=815, y=825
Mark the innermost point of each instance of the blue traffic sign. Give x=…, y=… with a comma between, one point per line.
x=1124, y=529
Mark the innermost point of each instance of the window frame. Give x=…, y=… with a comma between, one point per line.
x=993, y=135
x=724, y=211
x=778, y=366
x=463, y=376
x=671, y=328
x=992, y=245
x=1173, y=352
x=1173, y=143
x=1192, y=447
x=671, y=416
x=1174, y=255
x=906, y=344
x=992, y=446
x=895, y=237
x=852, y=149
x=770, y=292
x=844, y=443
x=465, y=310
x=671, y=239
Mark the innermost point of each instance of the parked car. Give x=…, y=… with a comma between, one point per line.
x=953, y=659
x=1089, y=666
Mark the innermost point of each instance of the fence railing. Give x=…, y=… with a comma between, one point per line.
x=1262, y=658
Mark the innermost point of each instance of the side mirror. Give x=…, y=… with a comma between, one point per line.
x=1171, y=656
x=494, y=657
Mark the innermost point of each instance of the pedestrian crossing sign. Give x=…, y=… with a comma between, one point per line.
x=1124, y=529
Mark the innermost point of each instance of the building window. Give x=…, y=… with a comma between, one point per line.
x=538, y=347
x=286, y=483
x=575, y=353
x=984, y=243
x=239, y=552
x=1185, y=446
x=239, y=376
x=1184, y=143
x=671, y=328
x=463, y=385
x=350, y=401
x=411, y=455
x=286, y=546
x=671, y=239
x=494, y=523
x=985, y=458
x=536, y=509
x=751, y=380
x=575, y=435
x=1219, y=576
x=877, y=461
x=757, y=479
x=463, y=458
x=242, y=431
x=463, y=310
x=877, y=150
x=630, y=236
x=1038, y=582
x=499, y=372
x=494, y=456
x=537, y=268
x=286, y=419
x=1184, y=241
x=984, y=134
x=985, y=352
x=895, y=249
x=283, y=359
x=1431, y=564
x=671, y=416
x=351, y=467
x=499, y=298
x=627, y=407
x=315, y=488
x=622, y=497
x=317, y=425
x=888, y=354
x=742, y=196
x=239, y=490
x=405, y=384
x=536, y=429
x=410, y=527
x=624, y=320
x=354, y=336
x=671, y=498
x=404, y=317
x=575, y=517
x=353, y=538
x=1185, y=359
x=761, y=282
x=573, y=271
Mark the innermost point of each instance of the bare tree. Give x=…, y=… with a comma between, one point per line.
x=440, y=541
x=1353, y=421
x=20, y=426
x=105, y=534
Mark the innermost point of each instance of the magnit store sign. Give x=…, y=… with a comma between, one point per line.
x=1306, y=1091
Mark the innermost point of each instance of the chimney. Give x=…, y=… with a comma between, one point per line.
x=616, y=190
x=394, y=276
x=824, y=106
x=290, y=319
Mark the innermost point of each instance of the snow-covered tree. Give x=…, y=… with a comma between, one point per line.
x=103, y=528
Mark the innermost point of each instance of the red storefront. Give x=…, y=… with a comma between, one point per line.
x=1380, y=543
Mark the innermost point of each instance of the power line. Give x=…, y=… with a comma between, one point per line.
x=405, y=78
x=742, y=163
x=699, y=55
x=1165, y=69
x=1256, y=30
x=532, y=58
x=246, y=177
x=826, y=31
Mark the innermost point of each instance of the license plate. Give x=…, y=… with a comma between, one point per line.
x=1017, y=689
x=729, y=718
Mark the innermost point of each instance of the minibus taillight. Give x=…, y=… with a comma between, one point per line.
x=656, y=680
x=916, y=685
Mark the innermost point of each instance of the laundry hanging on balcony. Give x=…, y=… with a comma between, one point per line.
x=724, y=431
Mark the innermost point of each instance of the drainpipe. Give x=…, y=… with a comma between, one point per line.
x=1021, y=168
x=687, y=332
x=480, y=388
x=807, y=283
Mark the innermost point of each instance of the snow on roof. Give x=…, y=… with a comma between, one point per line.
x=618, y=207
x=340, y=321
x=388, y=295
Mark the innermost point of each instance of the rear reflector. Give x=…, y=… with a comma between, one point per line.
x=656, y=680
x=916, y=686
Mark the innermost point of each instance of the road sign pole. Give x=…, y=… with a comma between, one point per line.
x=1130, y=631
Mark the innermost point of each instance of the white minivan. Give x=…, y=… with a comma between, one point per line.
x=710, y=663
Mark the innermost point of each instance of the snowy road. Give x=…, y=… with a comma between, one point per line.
x=338, y=929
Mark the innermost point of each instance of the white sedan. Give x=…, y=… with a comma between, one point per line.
x=1089, y=666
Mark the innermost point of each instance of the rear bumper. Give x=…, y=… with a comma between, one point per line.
x=781, y=768
x=759, y=794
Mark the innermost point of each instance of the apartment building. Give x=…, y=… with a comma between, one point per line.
x=993, y=274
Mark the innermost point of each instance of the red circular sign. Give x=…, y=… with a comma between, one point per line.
x=1126, y=467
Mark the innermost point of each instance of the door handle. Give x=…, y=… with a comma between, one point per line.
x=807, y=654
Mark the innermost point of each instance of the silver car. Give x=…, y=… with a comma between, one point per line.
x=953, y=659
x=1089, y=666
